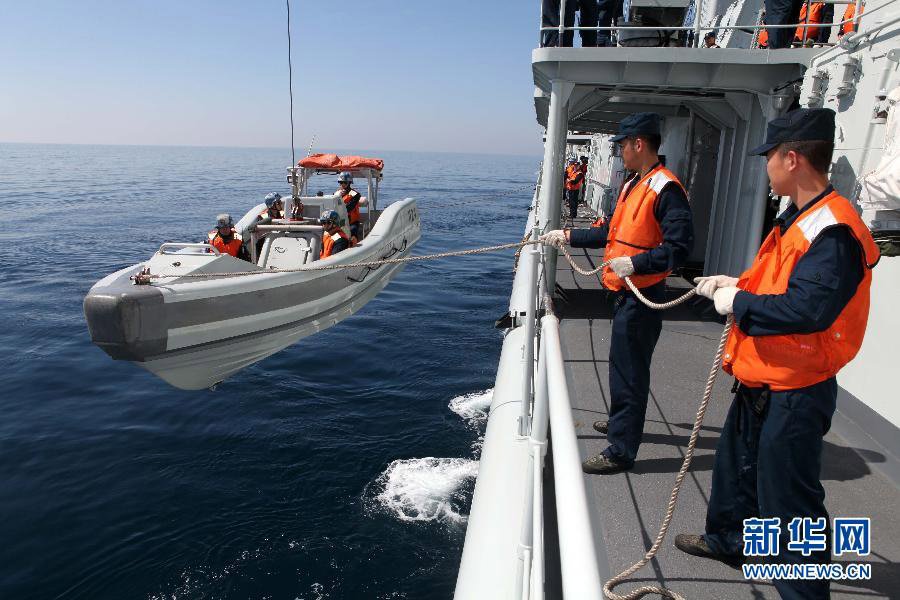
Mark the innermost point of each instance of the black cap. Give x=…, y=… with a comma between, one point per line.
x=643, y=123
x=801, y=125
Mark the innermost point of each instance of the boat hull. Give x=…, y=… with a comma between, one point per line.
x=195, y=332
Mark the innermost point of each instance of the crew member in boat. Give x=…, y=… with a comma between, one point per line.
x=650, y=234
x=800, y=313
x=223, y=239
x=351, y=200
x=334, y=239
x=274, y=208
x=574, y=181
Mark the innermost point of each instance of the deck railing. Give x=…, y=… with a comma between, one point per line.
x=546, y=405
x=696, y=26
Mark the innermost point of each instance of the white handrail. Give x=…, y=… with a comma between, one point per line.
x=857, y=17
x=190, y=245
x=578, y=553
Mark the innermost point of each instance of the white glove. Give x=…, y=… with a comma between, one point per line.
x=724, y=299
x=707, y=286
x=555, y=238
x=622, y=266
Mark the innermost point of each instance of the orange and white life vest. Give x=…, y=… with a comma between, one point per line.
x=634, y=228
x=231, y=247
x=785, y=362
x=573, y=181
x=816, y=14
x=328, y=240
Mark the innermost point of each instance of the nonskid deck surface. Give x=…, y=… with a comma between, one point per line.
x=629, y=507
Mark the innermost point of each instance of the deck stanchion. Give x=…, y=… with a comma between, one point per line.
x=562, y=23
x=551, y=173
x=698, y=7
x=528, y=343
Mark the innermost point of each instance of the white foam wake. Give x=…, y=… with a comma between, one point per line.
x=426, y=489
x=473, y=408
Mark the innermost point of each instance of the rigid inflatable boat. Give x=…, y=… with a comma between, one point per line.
x=193, y=326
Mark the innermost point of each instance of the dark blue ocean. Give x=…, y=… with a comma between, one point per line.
x=341, y=467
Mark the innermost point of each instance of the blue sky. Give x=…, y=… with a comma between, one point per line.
x=396, y=75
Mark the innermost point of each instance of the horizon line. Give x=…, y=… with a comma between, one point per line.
x=367, y=150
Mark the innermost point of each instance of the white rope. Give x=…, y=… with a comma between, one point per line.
x=144, y=277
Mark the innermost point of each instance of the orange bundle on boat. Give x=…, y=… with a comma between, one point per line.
x=340, y=163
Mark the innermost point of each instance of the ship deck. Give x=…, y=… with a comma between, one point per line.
x=629, y=507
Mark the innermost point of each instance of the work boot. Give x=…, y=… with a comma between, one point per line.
x=604, y=465
x=695, y=545
x=601, y=426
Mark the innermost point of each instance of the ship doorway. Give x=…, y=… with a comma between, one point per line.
x=703, y=145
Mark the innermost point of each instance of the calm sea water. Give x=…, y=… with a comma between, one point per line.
x=341, y=467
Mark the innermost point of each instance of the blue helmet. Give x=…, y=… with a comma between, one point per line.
x=345, y=177
x=223, y=221
x=272, y=199
x=329, y=216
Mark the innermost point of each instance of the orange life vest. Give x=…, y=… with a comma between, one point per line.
x=815, y=16
x=573, y=171
x=231, y=248
x=849, y=13
x=785, y=362
x=328, y=240
x=265, y=214
x=352, y=215
x=634, y=228
x=762, y=39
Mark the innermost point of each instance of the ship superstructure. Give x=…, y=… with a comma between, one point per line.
x=539, y=527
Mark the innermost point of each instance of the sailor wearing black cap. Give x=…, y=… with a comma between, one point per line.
x=650, y=234
x=800, y=314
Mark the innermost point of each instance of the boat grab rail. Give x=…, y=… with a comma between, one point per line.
x=310, y=228
x=696, y=27
x=182, y=245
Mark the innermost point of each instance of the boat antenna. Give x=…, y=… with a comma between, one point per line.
x=312, y=143
x=290, y=80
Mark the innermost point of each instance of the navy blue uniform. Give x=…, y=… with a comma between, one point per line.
x=608, y=13
x=587, y=17
x=782, y=12
x=550, y=18
x=636, y=327
x=768, y=459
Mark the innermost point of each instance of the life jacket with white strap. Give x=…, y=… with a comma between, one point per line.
x=785, y=362
x=329, y=239
x=574, y=177
x=634, y=228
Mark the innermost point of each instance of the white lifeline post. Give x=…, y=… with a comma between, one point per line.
x=551, y=175
x=698, y=8
x=528, y=344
